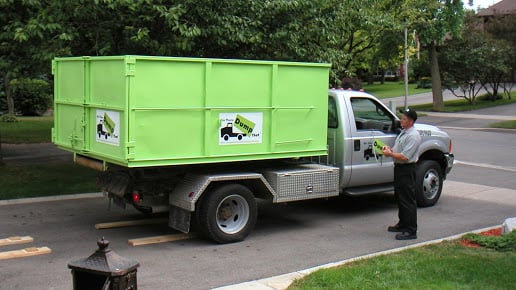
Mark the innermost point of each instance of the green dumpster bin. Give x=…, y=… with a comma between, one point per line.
x=139, y=111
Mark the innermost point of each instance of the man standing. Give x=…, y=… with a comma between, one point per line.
x=404, y=154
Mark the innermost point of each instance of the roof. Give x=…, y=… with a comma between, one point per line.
x=503, y=7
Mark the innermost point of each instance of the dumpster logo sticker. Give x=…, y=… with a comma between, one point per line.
x=108, y=127
x=240, y=128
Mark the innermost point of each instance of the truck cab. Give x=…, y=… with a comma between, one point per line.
x=358, y=120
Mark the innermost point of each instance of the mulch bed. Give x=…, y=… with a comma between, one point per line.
x=492, y=232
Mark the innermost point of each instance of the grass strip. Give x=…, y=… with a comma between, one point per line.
x=35, y=180
x=27, y=130
x=447, y=265
x=461, y=105
x=504, y=124
x=393, y=89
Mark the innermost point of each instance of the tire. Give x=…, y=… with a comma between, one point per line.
x=429, y=183
x=226, y=137
x=227, y=214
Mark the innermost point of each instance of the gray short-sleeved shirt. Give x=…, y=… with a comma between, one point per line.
x=407, y=143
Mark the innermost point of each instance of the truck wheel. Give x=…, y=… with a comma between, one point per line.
x=228, y=213
x=429, y=183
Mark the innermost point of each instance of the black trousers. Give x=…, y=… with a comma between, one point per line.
x=405, y=193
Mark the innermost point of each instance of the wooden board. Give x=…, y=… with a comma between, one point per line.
x=160, y=239
x=24, y=253
x=131, y=223
x=16, y=240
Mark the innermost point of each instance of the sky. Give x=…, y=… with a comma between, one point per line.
x=481, y=3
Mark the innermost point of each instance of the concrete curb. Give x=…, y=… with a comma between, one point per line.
x=50, y=198
x=281, y=282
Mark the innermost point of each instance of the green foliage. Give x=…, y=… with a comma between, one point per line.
x=505, y=242
x=475, y=60
x=334, y=31
x=8, y=118
x=31, y=96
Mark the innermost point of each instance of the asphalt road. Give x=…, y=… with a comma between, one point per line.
x=479, y=193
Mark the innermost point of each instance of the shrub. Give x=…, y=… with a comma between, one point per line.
x=8, y=119
x=505, y=242
x=351, y=83
x=32, y=97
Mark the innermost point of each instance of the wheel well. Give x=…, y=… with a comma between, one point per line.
x=256, y=186
x=436, y=156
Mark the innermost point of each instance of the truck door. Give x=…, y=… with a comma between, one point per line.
x=333, y=124
x=370, y=122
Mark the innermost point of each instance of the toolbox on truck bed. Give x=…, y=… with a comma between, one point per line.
x=138, y=111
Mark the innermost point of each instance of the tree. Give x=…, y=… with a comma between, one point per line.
x=25, y=43
x=503, y=27
x=462, y=62
x=475, y=60
x=435, y=22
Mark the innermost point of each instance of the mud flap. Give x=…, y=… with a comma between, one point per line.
x=179, y=219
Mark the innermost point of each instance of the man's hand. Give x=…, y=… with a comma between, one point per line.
x=387, y=151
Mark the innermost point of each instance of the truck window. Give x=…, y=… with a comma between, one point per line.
x=333, y=121
x=370, y=115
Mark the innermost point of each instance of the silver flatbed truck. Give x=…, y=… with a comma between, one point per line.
x=302, y=141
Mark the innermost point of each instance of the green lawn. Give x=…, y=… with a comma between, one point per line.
x=462, y=105
x=448, y=265
x=21, y=181
x=34, y=180
x=505, y=124
x=27, y=130
x=392, y=89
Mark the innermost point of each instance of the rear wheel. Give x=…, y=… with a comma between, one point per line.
x=228, y=213
x=429, y=183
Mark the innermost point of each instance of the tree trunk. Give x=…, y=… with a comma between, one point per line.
x=437, y=92
x=8, y=95
x=10, y=100
x=1, y=155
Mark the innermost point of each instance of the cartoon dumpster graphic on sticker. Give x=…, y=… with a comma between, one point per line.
x=108, y=127
x=240, y=128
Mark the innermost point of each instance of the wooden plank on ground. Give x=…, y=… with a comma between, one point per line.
x=16, y=240
x=130, y=223
x=160, y=239
x=24, y=253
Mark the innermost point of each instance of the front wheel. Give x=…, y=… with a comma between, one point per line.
x=429, y=183
x=228, y=213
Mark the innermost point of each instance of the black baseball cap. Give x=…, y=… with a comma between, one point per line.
x=409, y=113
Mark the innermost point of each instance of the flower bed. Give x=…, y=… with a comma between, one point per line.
x=465, y=241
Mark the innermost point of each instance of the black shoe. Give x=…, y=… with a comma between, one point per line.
x=406, y=236
x=395, y=229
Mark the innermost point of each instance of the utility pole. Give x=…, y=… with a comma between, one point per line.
x=405, y=68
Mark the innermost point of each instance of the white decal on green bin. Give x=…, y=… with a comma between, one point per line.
x=108, y=129
x=240, y=128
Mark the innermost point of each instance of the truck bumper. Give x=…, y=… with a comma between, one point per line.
x=450, y=158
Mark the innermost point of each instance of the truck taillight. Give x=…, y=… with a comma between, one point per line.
x=137, y=197
x=450, y=147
